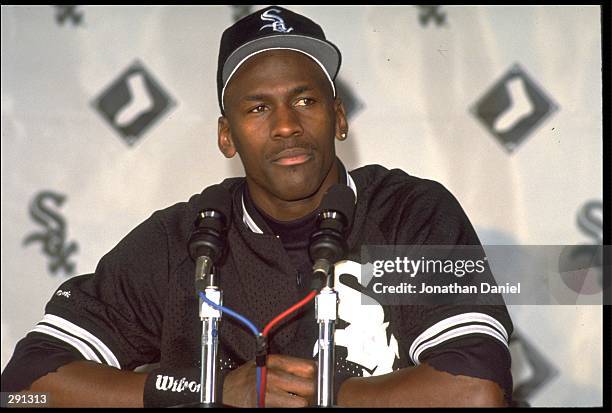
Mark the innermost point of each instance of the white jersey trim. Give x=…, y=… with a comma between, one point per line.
x=351, y=184
x=81, y=347
x=494, y=329
x=83, y=335
x=248, y=221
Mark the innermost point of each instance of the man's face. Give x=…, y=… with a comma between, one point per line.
x=281, y=119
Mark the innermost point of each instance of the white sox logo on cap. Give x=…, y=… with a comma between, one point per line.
x=278, y=24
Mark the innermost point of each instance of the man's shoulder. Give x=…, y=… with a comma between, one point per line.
x=376, y=181
x=191, y=205
x=177, y=220
x=409, y=209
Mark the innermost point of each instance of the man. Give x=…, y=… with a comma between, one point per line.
x=281, y=114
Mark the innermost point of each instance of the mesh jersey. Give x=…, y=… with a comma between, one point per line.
x=140, y=306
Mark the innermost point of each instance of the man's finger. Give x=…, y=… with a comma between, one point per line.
x=290, y=383
x=280, y=398
x=294, y=365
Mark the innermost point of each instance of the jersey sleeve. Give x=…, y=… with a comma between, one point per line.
x=112, y=317
x=480, y=357
x=431, y=215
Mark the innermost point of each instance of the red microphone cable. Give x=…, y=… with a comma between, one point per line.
x=266, y=330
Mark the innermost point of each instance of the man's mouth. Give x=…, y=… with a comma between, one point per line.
x=289, y=157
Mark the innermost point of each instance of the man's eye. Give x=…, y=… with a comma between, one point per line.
x=304, y=102
x=258, y=109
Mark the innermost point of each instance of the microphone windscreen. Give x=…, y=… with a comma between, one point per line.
x=207, y=237
x=216, y=197
x=339, y=198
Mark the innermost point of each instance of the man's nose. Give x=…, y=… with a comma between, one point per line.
x=286, y=122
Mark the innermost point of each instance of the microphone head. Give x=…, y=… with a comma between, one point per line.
x=208, y=237
x=339, y=198
x=336, y=216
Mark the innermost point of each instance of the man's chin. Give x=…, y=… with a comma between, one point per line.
x=295, y=193
x=298, y=189
x=298, y=185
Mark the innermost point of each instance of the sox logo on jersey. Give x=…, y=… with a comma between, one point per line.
x=365, y=338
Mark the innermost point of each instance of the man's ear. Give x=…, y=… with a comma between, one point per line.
x=225, y=142
x=341, y=122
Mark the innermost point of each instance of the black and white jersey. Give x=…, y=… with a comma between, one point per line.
x=140, y=305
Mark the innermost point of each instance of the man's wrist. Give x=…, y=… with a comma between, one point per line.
x=339, y=380
x=166, y=387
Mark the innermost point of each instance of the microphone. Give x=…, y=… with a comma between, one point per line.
x=207, y=240
x=328, y=244
x=206, y=246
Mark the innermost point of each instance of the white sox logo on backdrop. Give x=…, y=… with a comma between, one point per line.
x=531, y=370
x=53, y=237
x=581, y=266
x=428, y=13
x=133, y=103
x=240, y=10
x=277, y=25
x=64, y=13
x=352, y=103
x=513, y=108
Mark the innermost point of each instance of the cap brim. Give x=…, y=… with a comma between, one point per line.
x=324, y=52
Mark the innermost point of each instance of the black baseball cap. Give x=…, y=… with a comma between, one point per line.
x=271, y=28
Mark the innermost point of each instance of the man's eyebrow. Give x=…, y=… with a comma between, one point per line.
x=261, y=96
x=254, y=97
x=300, y=89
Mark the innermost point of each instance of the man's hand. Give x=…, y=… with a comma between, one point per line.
x=291, y=382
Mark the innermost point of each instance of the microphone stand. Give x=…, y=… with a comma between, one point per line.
x=205, y=246
x=326, y=313
x=205, y=282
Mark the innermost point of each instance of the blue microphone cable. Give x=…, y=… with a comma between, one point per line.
x=243, y=320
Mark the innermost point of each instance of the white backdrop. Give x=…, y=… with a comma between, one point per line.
x=419, y=82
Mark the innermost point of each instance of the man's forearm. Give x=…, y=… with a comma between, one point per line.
x=421, y=386
x=89, y=384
